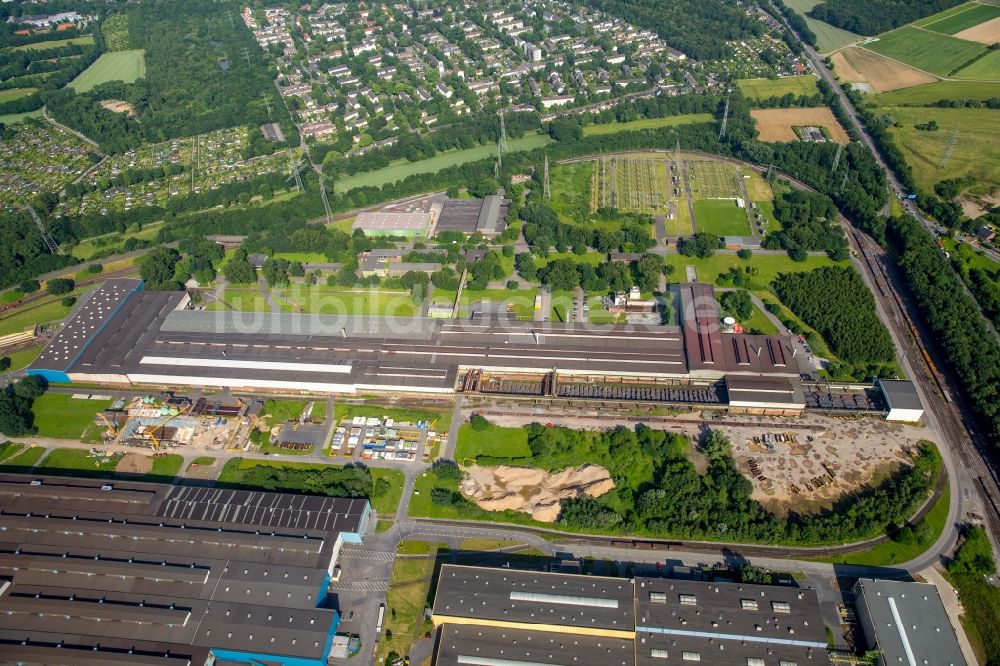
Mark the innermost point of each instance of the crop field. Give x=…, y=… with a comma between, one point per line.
x=987, y=32
x=400, y=171
x=15, y=93
x=929, y=51
x=932, y=92
x=631, y=184
x=970, y=16
x=127, y=66
x=857, y=65
x=767, y=88
x=709, y=179
x=721, y=217
x=977, y=146
x=828, y=37
x=647, y=123
x=779, y=124
x=986, y=68
x=86, y=40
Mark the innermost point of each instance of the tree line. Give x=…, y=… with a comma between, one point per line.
x=871, y=17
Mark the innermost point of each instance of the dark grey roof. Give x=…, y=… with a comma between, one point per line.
x=900, y=394
x=489, y=214
x=907, y=614
x=531, y=597
x=493, y=646
x=747, y=390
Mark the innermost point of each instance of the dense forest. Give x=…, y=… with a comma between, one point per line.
x=871, y=17
x=659, y=492
x=699, y=28
x=808, y=223
x=837, y=303
x=23, y=254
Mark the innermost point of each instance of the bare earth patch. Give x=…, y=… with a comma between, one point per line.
x=857, y=65
x=977, y=206
x=987, y=32
x=119, y=106
x=531, y=490
x=778, y=124
x=134, y=463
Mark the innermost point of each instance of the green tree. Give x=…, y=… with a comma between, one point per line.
x=59, y=286
x=737, y=304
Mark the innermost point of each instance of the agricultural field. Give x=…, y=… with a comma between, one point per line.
x=767, y=88
x=858, y=65
x=401, y=170
x=39, y=157
x=115, y=31
x=779, y=124
x=977, y=144
x=86, y=40
x=648, y=123
x=959, y=19
x=13, y=118
x=928, y=51
x=721, y=217
x=931, y=93
x=127, y=66
x=986, y=68
x=11, y=94
x=828, y=37
x=192, y=164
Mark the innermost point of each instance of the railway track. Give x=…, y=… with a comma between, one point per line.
x=37, y=296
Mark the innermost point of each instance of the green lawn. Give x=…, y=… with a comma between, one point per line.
x=23, y=357
x=408, y=596
x=929, y=93
x=968, y=256
x=86, y=248
x=523, y=300
x=55, y=43
x=79, y=461
x=955, y=22
x=828, y=38
x=233, y=472
x=721, y=217
x=11, y=118
x=496, y=441
x=37, y=312
x=24, y=459
x=592, y=257
x=15, y=93
x=61, y=416
x=929, y=51
x=766, y=88
x=321, y=300
x=976, y=152
x=242, y=300
x=767, y=266
x=281, y=411
x=303, y=257
x=202, y=461
x=434, y=164
x=647, y=123
x=126, y=66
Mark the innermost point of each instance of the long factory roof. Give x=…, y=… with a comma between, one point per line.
x=145, y=337
x=170, y=571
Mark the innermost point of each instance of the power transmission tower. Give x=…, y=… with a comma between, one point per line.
x=232, y=25
x=843, y=182
x=725, y=119
x=50, y=242
x=503, y=134
x=836, y=159
x=326, y=201
x=946, y=155
x=246, y=54
x=293, y=165
x=267, y=103
x=546, y=191
x=769, y=167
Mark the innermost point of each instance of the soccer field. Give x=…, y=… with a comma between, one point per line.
x=127, y=66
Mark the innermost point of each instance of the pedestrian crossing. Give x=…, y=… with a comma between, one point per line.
x=362, y=554
x=360, y=586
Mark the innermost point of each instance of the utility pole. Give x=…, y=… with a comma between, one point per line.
x=50, y=242
x=546, y=191
x=503, y=133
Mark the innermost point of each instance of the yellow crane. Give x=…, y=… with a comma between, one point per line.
x=162, y=424
x=112, y=430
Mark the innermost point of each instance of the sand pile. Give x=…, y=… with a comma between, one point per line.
x=533, y=491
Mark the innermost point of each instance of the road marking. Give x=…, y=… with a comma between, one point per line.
x=361, y=586
x=360, y=554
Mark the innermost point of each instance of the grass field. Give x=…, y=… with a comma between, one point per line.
x=61, y=416
x=23, y=357
x=127, y=66
x=767, y=88
x=25, y=317
x=828, y=38
x=15, y=93
x=976, y=152
x=242, y=300
x=721, y=217
x=87, y=248
x=523, y=300
x=321, y=300
x=767, y=265
x=498, y=442
x=86, y=40
x=440, y=421
x=970, y=16
x=23, y=459
x=951, y=11
x=70, y=461
x=434, y=164
x=932, y=92
x=986, y=68
x=925, y=50
x=647, y=123
x=11, y=118
x=406, y=599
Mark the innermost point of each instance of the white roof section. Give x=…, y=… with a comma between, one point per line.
x=380, y=221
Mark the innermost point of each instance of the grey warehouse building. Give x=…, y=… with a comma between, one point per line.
x=94, y=572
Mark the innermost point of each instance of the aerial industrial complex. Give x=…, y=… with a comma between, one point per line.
x=126, y=336
x=99, y=573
